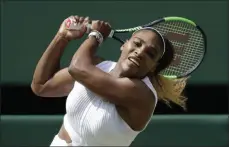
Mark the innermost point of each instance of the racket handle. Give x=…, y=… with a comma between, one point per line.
x=89, y=30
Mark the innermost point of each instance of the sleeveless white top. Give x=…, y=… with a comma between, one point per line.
x=91, y=121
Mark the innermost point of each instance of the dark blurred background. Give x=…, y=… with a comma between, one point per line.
x=28, y=27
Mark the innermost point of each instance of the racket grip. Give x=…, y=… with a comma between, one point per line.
x=89, y=30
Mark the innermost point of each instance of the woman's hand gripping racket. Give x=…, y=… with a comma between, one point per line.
x=187, y=38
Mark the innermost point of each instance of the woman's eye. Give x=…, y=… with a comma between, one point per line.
x=138, y=44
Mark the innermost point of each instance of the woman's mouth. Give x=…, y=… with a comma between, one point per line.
x=134, y=61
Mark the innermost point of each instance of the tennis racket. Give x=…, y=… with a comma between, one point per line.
x=187, y=39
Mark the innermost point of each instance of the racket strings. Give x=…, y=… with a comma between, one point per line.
x=193, y=50
x=185, y=62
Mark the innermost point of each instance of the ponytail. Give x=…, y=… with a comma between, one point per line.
x=171, y=90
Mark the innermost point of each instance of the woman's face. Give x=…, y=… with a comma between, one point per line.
x=140, y=54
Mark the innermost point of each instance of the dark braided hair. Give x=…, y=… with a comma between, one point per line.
x=167, y=58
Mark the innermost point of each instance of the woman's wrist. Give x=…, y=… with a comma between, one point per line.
x=97, y=35
x=93, y=40
x=63, y=37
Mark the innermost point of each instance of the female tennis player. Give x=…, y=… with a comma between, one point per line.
x=109, y=103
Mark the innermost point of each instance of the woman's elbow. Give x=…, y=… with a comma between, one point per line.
x=72, y=70
x=76, y=71
x=36, y=89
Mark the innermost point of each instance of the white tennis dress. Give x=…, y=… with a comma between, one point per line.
x=91, y=121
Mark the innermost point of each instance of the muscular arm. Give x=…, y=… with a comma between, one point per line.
x=48, y=79
x=121, y=91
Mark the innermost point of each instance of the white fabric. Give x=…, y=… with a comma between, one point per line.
x=59, y=142
x=91, y=121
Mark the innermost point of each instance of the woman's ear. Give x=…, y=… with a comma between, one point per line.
x=153, y=69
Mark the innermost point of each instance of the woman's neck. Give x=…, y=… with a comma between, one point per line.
x=117, y=71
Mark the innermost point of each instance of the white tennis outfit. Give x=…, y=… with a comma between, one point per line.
x=91, y=121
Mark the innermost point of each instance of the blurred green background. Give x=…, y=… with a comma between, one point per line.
x=29, y=26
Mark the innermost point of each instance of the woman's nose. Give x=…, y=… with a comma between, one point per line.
x=138, y=54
